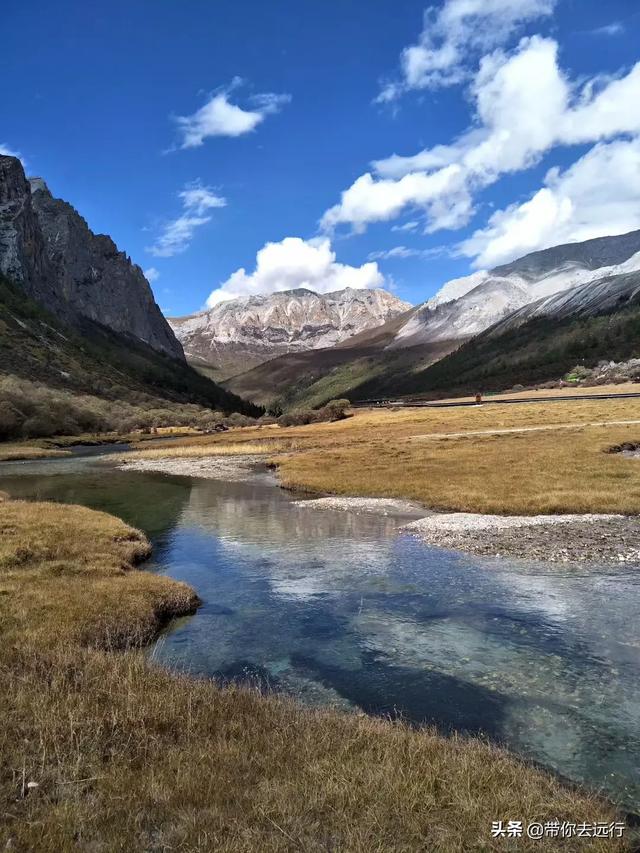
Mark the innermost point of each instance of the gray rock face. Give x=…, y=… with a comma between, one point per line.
x=48, y=248
x=23, y=255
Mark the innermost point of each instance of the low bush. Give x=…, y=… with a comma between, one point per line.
x=334, y=410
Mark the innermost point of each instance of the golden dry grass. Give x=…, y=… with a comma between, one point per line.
x=69, y=572
x=252, y=448
x=10, y=452
x=436, y=456
x=122, y=756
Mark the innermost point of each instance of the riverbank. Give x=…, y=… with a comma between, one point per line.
x=483, y=459
x=15, y=452
x=601, y=539
x=48, y=448
x=102, y=750
x=210, y=468
x=588, y=538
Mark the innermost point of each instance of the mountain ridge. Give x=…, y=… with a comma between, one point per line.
x=245, y=332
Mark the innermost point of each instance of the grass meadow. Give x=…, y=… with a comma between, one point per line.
x=101, y=750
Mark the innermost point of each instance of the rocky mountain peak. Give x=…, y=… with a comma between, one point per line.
x=48, y=248
x=242, y=333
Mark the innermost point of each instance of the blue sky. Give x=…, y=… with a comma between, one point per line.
x=303, y=97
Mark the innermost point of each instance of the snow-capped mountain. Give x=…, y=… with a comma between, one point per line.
x=466, y=306
x=599, y=296
x=238, y=334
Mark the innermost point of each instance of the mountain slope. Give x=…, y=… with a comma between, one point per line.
x=467, y=306
x=310, y=379
x=89, y=358
x=540, y=342
x=48, y=248
x=239, y=334
x=78, y=320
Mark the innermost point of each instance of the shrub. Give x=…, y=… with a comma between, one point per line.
x=335, y=410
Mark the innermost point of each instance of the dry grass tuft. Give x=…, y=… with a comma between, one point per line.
x=68, y=572
x=17, y=452
x=103, y=751
x=247, y=448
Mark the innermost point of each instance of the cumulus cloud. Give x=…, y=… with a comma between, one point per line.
x=178, y=233
x=292, y=263
x=453, y=35
x=524, y=106
x=597, y=195
x=219, y=117
x=151, y=275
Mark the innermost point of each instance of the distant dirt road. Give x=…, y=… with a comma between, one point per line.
x=436, y=404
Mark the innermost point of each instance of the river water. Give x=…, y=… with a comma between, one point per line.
x=342, y=608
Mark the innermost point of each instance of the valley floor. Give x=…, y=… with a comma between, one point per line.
x=101, y=750
x=492, y=461
x=528, y=459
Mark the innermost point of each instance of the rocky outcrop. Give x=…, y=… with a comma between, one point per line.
x=23, y=255
x=48, y=248
x=240, y=334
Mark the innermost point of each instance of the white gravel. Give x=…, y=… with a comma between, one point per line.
x=467, y=522
x=601, y=539
x=378, y=506
x=235, y=468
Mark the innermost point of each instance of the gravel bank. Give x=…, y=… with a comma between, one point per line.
x=209, y=467
x=554, y=538
x=377, y=506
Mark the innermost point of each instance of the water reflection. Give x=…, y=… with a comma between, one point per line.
x=341, y=608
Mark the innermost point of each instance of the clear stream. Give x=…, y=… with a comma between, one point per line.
x=342, y=608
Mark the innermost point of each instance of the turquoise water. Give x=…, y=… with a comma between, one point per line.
x=343, y=609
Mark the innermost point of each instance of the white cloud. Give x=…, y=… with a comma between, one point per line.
x=151, y=275
x=292, y=263
x=453, y=35
x=199, y=199
x=616, y=28
x=6, y=151
x=413, y=225
x=376, y=200
x=219, y=117
x=398, y=252
x=595, y=196
x=178, y=233
x=524, y=106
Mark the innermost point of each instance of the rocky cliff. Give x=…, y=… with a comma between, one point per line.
x=48, y=248
x=239, y=334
